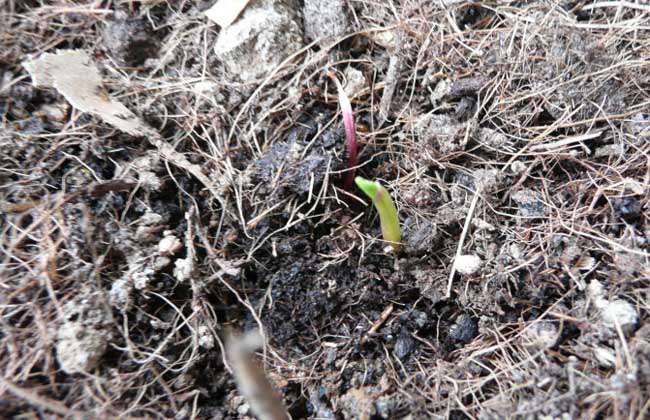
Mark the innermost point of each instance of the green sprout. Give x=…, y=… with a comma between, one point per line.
x=386, y=209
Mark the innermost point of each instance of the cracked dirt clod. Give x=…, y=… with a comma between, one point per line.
x=254, y=45
x=283, y=166
x=419, y=238
x=442, y=134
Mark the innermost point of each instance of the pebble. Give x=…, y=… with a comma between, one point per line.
x=468, y=264
x=254, y=45
x=325, y=19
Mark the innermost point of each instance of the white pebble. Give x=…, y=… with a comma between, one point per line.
x=605, y=356
x=183, y=269
x=542, y=335
x=468, y=264
x=169, y=245
x=619, y=312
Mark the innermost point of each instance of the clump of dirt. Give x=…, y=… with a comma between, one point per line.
x=130, y=41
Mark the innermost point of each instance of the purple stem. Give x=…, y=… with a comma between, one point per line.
x=350, y=134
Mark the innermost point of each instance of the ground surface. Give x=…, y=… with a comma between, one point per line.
x=122, y=273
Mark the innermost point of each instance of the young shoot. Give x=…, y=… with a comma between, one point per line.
x=350, y=132
x=386, y=209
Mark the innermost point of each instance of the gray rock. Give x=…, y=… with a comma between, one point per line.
x=324, y=19
x=357, y=403
x=79, y=348
x=542, y=334
x=83, y=336
x=464, y=329
x=260, y=40
x=355, y=81
x=404, y=346
x=619, y=312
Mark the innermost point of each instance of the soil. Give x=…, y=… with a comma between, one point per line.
x=515, y=132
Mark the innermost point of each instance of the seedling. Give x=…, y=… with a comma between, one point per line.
x=386, y=209
x=350, y=132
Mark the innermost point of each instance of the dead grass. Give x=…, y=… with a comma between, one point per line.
x=548, y=144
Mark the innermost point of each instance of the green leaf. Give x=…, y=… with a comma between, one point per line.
x=385, y=207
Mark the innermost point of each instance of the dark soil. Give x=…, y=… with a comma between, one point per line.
x=102, y=235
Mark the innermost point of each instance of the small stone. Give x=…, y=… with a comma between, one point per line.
x=169, y=244
x=206, y=339
x=325, y=19
x=284, y=166
x=628, y=208
x=357, y=403
x=259, y=40
x=243, y=409
x=620, y=312
x=442, y=89
x=596, y=292
x=160, y=263
x=404, y=346
x=386, y=39
x=515, y=251
x=119, y=295
x=481, y=224
x=183, y=268
x=493, y=139
x=605, y=356
x=151, y=218
x=465, y=329
x=609, y=150
x=79, y=349
x=55, y=112
x=442, y=133
x=585, y=263
x=640, y=126
x=468, y=264
x=145, y=234
x=225, y=12
x=142, y=277
x=487, y=180
x=517, y=167
x=542, y=335
x=354, y=82
x=149, y=180
x=385, y=406
x=145, y=167
x=419, y=238
x=421, y=319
